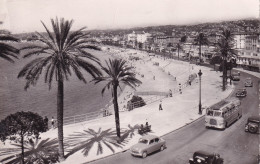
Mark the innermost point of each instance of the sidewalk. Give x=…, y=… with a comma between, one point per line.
x=96, y=137
x=178, y=111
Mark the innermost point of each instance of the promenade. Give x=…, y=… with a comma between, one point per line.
x=96, y=137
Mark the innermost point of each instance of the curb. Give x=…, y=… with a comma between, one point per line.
x=123, y=151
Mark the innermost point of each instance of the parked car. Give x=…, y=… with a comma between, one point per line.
x=253, y=124
x=202, y=157
x=148, y=144
x=248, y=82
x=241, y=92
x=235, y=76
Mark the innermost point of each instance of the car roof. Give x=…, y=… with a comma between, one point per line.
x=149, y=137
x=254, y=118
x=202, y=153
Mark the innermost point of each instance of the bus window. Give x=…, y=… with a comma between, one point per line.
x=210, y=113
x=217, y=114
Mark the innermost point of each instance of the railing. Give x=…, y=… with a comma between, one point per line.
x=82, y=118
x=151, y=93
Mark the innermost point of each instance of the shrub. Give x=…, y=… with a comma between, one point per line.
x=135, y=102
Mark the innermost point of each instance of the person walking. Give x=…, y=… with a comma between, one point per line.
x=52, y=123
x=160, y=106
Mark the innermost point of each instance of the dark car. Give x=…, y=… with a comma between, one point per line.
x=202, y=157
x=252, y=124
x=241, y=92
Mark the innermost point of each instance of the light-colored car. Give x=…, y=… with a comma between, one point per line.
x=235, y=76
x=248, y=82
x=148, y=144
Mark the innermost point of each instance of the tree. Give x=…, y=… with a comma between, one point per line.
x=61, y=53
x=116, y=72
x=7, y=51
x=21, y=127
x=200, y=40
x=183, y=39
x=179, y=47
x=215, y=60
x=224, y=47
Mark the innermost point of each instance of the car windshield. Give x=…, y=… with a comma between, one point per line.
x=144, y=141
x=210, y=113
x=254, y=121
x=217, y=114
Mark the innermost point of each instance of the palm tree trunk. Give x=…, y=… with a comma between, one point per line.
x=224, y=74
x=178, y=53
x=199, y=53
x=60, y=97
x=116, y=111
x=22, y=146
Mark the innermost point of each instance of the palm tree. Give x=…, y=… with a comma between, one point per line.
x=179, y=47
x=225, y=49
x=60, y=54
x=7, y=51
x=36, y=151
x=116, y=72
x=200, y=40
x=85, y=141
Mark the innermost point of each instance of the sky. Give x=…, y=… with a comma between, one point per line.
x=25, y=15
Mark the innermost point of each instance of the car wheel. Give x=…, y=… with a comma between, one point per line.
x=162, y=148
x=252, y=129
x=144, y=155
x=226, y=126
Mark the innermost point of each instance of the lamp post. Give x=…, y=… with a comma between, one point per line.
x=200, y=73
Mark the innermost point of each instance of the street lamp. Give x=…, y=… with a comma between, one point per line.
x=200, y=73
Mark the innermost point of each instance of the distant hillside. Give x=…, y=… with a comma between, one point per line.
x=167, y=29
x=235, y=25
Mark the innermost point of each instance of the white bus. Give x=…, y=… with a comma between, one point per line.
x=223, y=114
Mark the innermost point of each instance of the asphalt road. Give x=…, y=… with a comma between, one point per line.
x=233, y=144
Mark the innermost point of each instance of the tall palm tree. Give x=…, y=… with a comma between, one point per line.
x=224, y=48
x=7, y=51
x=59, y=55
x=179, y=47
x=201, y=40
x=117, y=72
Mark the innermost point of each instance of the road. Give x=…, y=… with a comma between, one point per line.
x=233, y=144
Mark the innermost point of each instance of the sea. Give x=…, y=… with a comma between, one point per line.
x=79, y=97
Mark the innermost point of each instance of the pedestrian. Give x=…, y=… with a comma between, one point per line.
x=189, y=82
x=52, y=123
x=160, y=106
x=170, y=93
x=146, y=124
x=46, y=120
x=180, y=88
